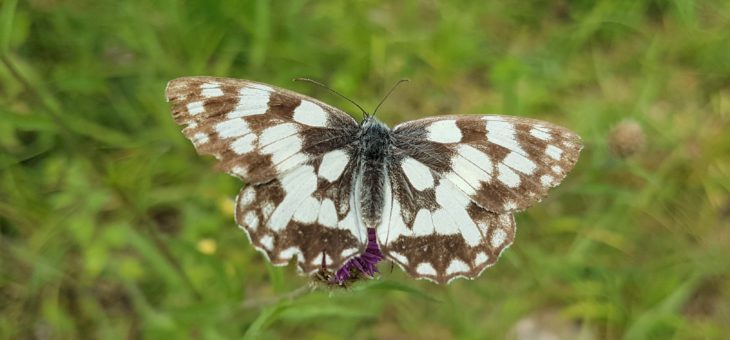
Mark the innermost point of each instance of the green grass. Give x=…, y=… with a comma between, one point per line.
x=111, y=226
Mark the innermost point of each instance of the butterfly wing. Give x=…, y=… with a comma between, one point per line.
x=296, y=155
x=456, y=180
x=504, y=164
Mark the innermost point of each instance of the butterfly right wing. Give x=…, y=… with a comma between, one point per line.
x=503, y=163
x=455, y=182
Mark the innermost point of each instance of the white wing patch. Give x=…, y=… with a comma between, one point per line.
x=298, y=185
x=195, y=108
x=520, y=163
x=470, y=167
x=418, y=174
x=457, y=266
x=423, y=223
x=508, y=177
x=540, y=133
x=503, y=133
x=426, y=268
x=211, y=90
x=244, y=144
x=327, y=214
x=232, y=128
x=452, y=217
x=444, y=131
x=311, y=114
x=253, y=100
x=333, y=164
x=554, y=152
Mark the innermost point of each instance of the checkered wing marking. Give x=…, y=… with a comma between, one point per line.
x=434, y=231
x=257, y=131
x=303, y=216
x=503, y=164
x=454, y=183
x=296, y=154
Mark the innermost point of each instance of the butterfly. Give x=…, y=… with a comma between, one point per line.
x=436, y=196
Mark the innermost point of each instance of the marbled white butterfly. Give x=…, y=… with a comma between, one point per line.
x=434, y=195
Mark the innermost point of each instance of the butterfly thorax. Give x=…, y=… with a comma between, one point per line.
x=373, y=155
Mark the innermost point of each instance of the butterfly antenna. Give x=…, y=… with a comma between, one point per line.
x=388, y=95
x=365, y=114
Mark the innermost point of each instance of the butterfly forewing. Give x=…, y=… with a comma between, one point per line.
x=504, y=164
x=295, y=152
x=257, y=131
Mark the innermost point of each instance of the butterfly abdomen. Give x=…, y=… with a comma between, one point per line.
x=373, y=156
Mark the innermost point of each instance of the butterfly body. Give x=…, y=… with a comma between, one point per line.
x=436, y=196
x=373, y=156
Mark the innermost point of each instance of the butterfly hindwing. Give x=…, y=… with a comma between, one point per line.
x=299, y=216
x=438, y=233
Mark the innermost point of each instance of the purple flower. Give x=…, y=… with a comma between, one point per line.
x=364, y=263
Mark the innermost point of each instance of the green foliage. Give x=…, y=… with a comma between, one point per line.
x=112, y=227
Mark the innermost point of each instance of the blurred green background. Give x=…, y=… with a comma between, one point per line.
x=112, y=227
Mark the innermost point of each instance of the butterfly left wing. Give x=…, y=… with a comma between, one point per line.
x=455, y=182
x=296, y=155
x=257, y=131
x=301, y=215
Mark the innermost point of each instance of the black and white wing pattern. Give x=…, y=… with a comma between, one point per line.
x=436, y=195
x=454, y=183
x=295, y=153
